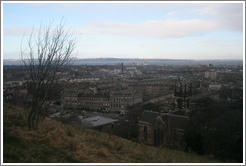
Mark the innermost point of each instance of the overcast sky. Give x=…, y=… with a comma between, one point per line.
x=134, y=30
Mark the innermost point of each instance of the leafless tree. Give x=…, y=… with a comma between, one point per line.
x=45, y=53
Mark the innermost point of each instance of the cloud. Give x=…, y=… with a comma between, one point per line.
x=27, y=30
x=152, y=28
x=171, y=13
x=17, y=30
x=218, y=16
x=228, y=15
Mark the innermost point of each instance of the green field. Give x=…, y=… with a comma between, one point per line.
x=55, y=142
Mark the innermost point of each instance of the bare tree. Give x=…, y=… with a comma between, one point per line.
x=46, y=52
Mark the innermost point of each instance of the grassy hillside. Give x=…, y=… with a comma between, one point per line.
x=56, y=142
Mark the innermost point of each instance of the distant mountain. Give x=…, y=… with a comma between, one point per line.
x=135, y=61
x=9, y=62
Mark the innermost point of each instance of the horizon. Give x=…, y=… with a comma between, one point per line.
x=146, y=59
x=132, y=61
x=160, y=30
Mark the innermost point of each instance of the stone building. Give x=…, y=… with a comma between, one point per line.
x=98, y=102
x=69, y=98
x=116, y=101
x=183, y=93
x=119, y=100
x=161, y=129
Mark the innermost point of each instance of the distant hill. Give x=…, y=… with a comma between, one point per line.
x=114, y=61
x=59, y=143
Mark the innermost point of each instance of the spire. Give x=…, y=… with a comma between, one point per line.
x=175, y=90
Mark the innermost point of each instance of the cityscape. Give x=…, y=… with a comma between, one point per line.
x=149, y=104
x=103, y=97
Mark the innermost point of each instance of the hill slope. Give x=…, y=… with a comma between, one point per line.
x=55, y=142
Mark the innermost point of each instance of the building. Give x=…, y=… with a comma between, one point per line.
x=100, y=123
x=90, y=99
x=162, y=129
x=183, y=94
x=211, y=75
x=119, y=100
x=214, y=87
x=97, y=102
x=69, y=98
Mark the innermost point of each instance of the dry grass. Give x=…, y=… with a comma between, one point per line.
x=82, y=145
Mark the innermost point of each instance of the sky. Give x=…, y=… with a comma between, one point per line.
x=133, y=30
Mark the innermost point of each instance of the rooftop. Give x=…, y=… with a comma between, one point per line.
x=97, y=121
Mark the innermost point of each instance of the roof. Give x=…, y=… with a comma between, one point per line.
x=97, y=121
x=176, y=121
x=149, y=116
x=214, y=87
x=98, y=95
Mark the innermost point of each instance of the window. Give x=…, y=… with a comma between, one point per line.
x=145, y=133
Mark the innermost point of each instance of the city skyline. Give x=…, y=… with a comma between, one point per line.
x=145, y=30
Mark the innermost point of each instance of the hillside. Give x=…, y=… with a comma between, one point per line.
x=56, y=143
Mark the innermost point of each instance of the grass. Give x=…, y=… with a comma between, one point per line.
x=55, y=142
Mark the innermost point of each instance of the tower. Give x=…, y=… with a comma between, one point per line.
x=122, y=70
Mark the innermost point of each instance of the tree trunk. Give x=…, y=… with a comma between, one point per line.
x=33, y=117
x=29, y=119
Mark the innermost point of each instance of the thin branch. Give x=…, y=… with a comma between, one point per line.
x=45, y=54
